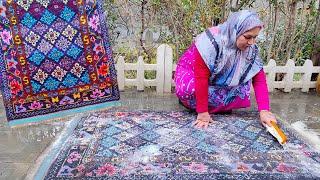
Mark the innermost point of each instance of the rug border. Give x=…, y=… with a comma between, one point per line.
x=45, y=159
x=43, y=162
x=61, y=114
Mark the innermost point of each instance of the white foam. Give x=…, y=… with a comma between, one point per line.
x=145, y=154
x=310, y=164
x=311, y=136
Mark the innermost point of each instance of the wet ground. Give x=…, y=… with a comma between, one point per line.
x=20, y=147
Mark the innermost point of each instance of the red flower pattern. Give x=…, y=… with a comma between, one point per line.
x=104, y=69
x=15, y=86
x=108, y=169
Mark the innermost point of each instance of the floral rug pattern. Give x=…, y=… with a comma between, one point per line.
x=54, y=56
x=162, y=145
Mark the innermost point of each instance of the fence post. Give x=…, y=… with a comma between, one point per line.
x=168, y=60
x=140, y=74
x=288, y=78
x=306, y=78
x=271, y=74
x=160, y=68
x=120, y=72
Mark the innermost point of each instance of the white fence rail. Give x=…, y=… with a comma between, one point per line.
x=165, y=67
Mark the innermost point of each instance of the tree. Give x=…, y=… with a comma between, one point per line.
x=315, y=56
x=274, y=26
x=290, y=25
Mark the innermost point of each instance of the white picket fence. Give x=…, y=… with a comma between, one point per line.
x=165, y=68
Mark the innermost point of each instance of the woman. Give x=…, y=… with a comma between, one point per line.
x=215, y=74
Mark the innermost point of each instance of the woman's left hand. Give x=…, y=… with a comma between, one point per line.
x=266, y=117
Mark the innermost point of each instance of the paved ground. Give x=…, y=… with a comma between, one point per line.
x=20, y=147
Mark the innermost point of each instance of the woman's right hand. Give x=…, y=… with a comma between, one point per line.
x=203, y=120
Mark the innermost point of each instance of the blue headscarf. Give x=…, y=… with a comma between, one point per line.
x=229, y=66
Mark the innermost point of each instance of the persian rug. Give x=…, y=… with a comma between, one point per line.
x=164, y=145
x=55, y=55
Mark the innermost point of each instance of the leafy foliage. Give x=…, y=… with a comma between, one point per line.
x=177, y=22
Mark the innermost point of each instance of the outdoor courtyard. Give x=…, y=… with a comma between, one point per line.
x=20, y=147
x=99, y=89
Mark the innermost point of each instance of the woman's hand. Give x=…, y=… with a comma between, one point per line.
x=266, y=117
x=203, y=120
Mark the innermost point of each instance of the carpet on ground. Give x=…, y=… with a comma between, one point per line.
x=54, y=56
x=163, y=145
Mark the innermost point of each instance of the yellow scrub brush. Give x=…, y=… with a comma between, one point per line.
x=277, y=133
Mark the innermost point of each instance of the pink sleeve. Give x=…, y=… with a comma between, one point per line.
x=261, y=91
x=202, y=75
